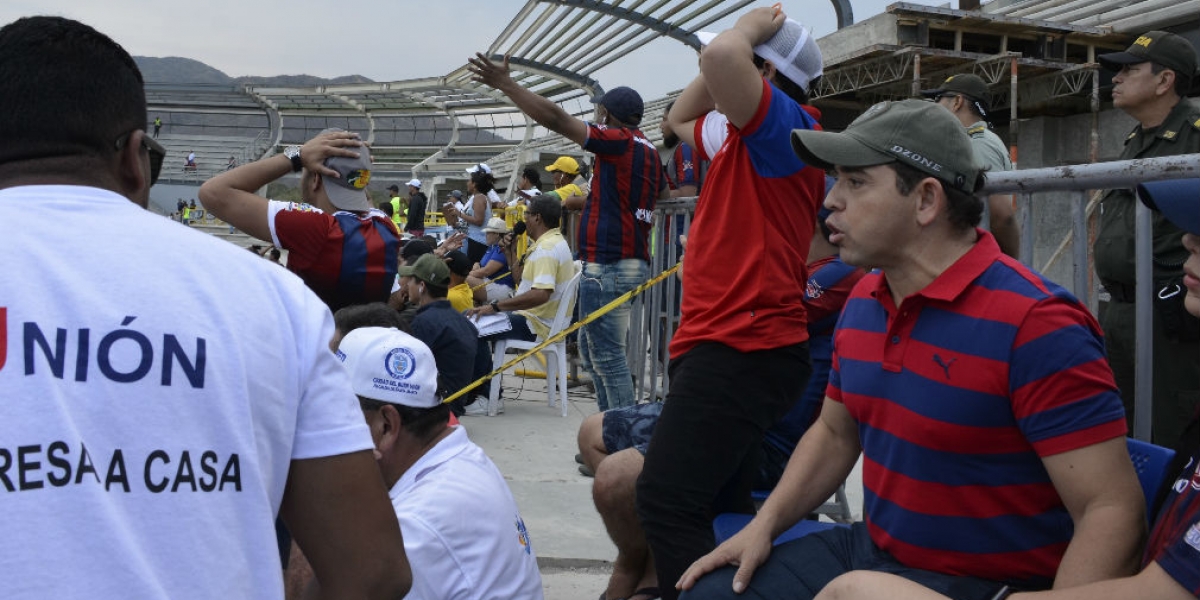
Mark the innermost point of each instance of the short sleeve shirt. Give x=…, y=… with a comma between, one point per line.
x=346, y=258
x=548, y=267
x=1175, y=540
x=615, y=223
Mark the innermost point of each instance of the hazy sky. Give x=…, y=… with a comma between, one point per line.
x=383, y=40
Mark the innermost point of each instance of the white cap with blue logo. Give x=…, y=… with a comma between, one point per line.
x=388, y=365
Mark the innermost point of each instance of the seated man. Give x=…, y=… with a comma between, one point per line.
x=446, y=331
x=1171, y=563
x=613, y=443
x=992, y=435
x=343, y=247
x=463, y=533
x=542, y=274
x=460, y=295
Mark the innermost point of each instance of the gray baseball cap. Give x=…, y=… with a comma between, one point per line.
x=346, y=190
x=913, y=132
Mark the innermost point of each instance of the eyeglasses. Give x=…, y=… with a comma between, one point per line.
x=156, y=150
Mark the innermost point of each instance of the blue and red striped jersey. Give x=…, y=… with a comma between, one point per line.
x=958, y=393
x=345, y=258
x=1175, y=540
x=628, y=177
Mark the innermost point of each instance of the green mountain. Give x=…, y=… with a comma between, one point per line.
x=175, y=69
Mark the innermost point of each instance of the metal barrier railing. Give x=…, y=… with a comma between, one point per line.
x=654, y=314
x=1102, y=176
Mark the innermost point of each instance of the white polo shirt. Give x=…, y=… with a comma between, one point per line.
x=463, y=534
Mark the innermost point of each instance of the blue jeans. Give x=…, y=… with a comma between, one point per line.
x=602, y=343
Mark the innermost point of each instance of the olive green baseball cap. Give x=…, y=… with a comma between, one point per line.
x=1159, y=47
x=913, y=132
x=430, y=268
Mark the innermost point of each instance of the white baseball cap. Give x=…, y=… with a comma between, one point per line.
x=415, y=183
x=388, y=365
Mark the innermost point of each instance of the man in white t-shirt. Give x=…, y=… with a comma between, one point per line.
x=156, y=420
x=463, y=533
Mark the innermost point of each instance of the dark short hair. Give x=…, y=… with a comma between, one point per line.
x=548, y=207
x=965, y=210
x=421, y=423
x=787, y=86
x=68, y=90
x=375, y=314
x=532, y=175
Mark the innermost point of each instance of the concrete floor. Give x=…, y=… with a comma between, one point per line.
x=535, y=448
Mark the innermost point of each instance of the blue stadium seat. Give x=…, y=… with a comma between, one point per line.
x=1151, y=463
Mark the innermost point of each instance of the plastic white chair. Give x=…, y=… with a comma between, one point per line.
x=556, y=353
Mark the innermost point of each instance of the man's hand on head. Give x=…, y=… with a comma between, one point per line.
x=327, y=145
x=760, y=24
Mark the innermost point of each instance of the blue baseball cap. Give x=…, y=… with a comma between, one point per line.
x=1177, y=199
x=625, y=104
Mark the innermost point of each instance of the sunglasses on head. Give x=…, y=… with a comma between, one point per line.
x=156, y=150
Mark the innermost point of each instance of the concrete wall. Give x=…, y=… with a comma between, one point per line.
x=1056, y=141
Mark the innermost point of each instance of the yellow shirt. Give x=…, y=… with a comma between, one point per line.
x=460, y=297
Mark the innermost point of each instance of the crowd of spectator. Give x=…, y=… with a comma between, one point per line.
x=873, y=318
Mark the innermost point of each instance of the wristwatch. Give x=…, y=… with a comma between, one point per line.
x=495, y=304
x=293, y=154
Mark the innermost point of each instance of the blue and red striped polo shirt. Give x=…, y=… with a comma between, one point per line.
x=628, y=177
x=345, y=258
x=958, y=393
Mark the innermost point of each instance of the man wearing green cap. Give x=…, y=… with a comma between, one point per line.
x=966, y=97
x=1152, y=77
x=992, y=435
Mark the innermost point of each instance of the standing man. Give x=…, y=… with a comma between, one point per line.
x=417, y=205
x=462, y=529
x=975, y=389
x=153, y=461
x=344, y=248
x=399, y=206
x=157, y=126
x=613, y=239
x=966, y=97
x=1152, y=77
x=743, y=312
x=685, y=170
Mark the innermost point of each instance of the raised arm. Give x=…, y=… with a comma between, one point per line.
x=727, y=65
x=231, y=197
x=546, y=113
x=694, y=102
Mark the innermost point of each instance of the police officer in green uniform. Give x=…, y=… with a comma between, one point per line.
x=1153, y=76
x=966, y=96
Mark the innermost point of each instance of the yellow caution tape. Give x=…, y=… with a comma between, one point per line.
x=600, y=312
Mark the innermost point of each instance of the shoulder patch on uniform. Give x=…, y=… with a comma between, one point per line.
x=1196, y=124
x=977, y=129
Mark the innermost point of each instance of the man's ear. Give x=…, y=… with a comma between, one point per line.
x=133, y=171
x=768, y=70
x=930, y=199
x=392, y=424
x=1167, y=83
